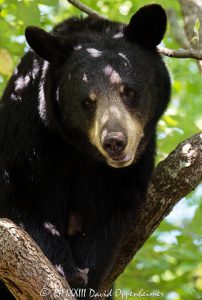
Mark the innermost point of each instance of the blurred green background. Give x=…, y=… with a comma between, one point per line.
x=169, y=266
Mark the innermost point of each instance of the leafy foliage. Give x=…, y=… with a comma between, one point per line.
x=169, y=265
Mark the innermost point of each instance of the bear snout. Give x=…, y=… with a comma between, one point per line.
x=114, y=143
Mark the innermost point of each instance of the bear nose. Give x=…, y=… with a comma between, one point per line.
x=114, y=143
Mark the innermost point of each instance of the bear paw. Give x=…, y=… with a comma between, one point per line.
x=78, y=279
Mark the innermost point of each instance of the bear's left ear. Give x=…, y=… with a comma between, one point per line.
x=147, y=26
x=46, y=45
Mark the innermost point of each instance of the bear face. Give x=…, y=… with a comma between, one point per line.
x=111, y=88
x=116, y=99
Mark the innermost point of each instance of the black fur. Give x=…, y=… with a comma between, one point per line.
x=49, y=170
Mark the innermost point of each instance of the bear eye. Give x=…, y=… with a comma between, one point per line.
x=88, y=103
x=128, y=92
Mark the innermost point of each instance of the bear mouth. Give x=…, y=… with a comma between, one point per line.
x=121, y=161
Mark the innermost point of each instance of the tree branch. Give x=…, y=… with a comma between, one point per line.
x=86, y=9
x=25, y=269
x=182, y=53
x=173, y=179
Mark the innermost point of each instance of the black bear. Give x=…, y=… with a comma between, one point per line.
x=77, y=137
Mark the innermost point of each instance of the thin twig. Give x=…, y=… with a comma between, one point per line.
x=182, y=53
x=86, y=9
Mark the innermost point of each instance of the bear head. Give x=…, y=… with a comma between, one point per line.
x=106, y=91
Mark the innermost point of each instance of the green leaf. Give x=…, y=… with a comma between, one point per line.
x=49, y=2
x=197, y=26
x=28, y=13
x=6, y=62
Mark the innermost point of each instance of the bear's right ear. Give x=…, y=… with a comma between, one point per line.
x=47, y=46
x=147, y=26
